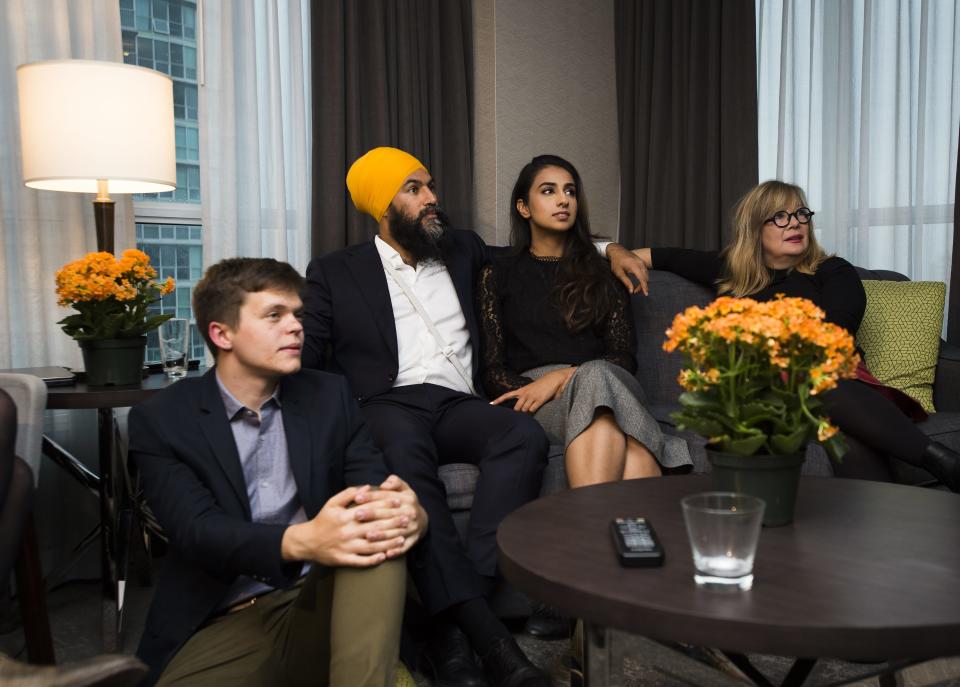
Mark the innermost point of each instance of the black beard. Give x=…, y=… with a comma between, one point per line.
x=430, y=241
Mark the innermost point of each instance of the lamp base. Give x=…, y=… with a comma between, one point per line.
x=103, y=214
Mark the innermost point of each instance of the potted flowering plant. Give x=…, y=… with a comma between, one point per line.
x=111, y=297
x=752, y=377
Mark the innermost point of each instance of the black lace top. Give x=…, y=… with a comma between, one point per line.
x=522, y=327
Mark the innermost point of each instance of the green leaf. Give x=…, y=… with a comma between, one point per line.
x=743, y=447
x=761, y=408
x=702, y=425
x=775, y=399
x=732, y=424
x=699, y=400
x=836, y=446
x=790, y=443
x=155, y=321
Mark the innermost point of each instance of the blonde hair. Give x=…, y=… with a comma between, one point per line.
x=746, y=272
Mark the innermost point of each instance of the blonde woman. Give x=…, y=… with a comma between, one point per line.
x=775, y=250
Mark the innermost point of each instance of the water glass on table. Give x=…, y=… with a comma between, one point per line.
x=174, y=337
x=723, y=529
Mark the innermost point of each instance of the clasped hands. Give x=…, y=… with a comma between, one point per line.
x=359, y=527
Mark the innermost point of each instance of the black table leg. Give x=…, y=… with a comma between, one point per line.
x=108, y=531
x=744, y=664
x=121, y=512
x=799, y=672
x=68, y=462
x=795, y=677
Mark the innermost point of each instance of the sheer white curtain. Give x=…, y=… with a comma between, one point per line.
x=39, y=232
x=42, y=230
x=859, y=103
x=255, y=129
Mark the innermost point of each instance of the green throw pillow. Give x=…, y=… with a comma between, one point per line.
x=900, y=335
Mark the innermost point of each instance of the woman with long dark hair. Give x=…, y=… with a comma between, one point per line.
x=774, y=250
x=557, y=336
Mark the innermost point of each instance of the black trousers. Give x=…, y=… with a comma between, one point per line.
x=875, y=428
x=423, y=426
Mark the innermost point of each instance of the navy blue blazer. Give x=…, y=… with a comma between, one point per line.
x=183, y=445
x=348, y=318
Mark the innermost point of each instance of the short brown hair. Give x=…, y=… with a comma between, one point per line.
x=218, y=296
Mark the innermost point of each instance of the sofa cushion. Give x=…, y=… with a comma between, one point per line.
x=652, y=315
x=460, y=479
x=947, y=381
x=943, y=427
x=900, y=335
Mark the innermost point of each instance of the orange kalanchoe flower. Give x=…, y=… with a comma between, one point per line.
x=112, y=296
x=756, y=368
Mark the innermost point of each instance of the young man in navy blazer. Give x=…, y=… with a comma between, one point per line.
x=286, y=532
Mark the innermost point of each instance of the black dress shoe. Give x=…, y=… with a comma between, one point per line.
x=546, y=622
x=448, y=659
x=508, y=666
x=943, y=463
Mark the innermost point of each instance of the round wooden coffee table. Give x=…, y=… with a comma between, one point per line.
x=867, y=570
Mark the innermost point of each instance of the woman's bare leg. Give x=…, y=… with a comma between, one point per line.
x=598, y=454
x=640, y=462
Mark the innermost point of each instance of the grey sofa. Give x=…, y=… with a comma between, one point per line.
x=657, y=372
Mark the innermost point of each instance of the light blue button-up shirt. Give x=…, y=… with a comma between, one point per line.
x=265, y=460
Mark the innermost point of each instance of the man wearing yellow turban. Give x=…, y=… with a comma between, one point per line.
x=395, y=316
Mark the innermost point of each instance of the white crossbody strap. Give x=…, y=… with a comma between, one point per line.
x=445, y=348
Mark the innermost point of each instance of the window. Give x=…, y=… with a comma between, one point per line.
x=161, y=35
x=857, y=103
x=176, y=251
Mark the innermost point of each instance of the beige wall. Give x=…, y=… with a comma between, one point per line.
x=545, y=82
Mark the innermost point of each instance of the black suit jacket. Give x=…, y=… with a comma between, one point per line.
x=182, y=442
x=347, y=310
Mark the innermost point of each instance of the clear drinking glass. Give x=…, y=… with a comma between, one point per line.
x=174, y=337
x=723, y=528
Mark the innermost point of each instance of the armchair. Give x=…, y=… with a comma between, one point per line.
x=21, y=409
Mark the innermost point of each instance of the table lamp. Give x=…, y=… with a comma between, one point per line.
x=96, y=127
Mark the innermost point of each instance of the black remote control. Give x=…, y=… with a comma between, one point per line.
x=636, y=542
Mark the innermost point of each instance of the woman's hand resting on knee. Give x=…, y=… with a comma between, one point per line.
x=530, y=398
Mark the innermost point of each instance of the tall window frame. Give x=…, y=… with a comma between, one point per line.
x=166, y=35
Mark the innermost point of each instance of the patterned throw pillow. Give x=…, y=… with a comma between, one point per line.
x=403, y=678
x=900, y=335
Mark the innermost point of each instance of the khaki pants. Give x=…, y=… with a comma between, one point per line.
x=340, y=629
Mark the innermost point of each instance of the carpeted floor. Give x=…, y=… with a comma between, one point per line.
x=75, y=618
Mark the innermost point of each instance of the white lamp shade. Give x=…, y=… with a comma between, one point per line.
x=84, y=120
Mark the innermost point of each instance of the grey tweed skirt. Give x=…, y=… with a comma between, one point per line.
x=601, y=384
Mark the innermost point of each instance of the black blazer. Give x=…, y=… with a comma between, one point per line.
x=182, y=442
x=347, y=308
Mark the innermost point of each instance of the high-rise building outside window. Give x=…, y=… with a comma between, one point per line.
x=162, y=35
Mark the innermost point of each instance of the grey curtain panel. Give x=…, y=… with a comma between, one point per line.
x=396, y=73
x=687, y=112
x=953, y=309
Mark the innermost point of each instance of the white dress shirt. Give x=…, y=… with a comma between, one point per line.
x=421, y=360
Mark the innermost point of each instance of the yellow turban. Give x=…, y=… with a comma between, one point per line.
x=375, y=178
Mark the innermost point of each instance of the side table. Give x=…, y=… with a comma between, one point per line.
x=119, y=508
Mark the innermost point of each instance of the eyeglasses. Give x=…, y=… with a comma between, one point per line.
x=782, y=218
